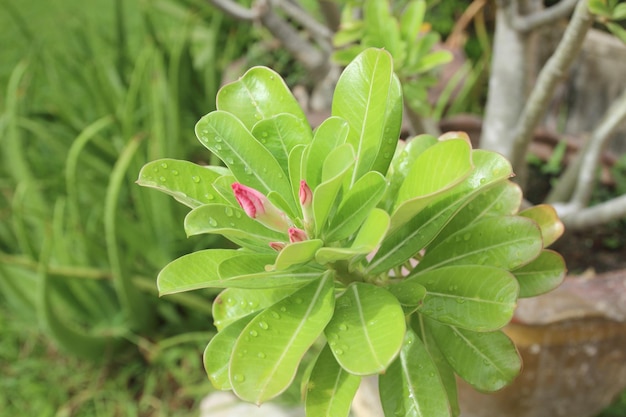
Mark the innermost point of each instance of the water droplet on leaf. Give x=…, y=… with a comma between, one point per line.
x=263, y=325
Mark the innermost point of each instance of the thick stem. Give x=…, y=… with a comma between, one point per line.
x=597, y=215
x=547, y=81
x=544, y=17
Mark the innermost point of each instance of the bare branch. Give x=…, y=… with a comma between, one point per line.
x=236, y=11
x=591, y=158
x=548, y=79
x=594, y=216
x=544, y=17
x=306, y=20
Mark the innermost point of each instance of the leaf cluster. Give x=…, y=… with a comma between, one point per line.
x=414, y=257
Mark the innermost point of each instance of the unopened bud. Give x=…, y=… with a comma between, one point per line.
x=258, y=207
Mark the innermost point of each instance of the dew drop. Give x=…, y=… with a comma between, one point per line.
x=174, y=172
x=218, y=147
x=342, y=327
x=164, y=165
x=229, y=211
x=263, y=325
x=239, y=378
x=155, y=169
x=460, y=300
x=212, y=222
x=209, y=196
x=332, y=336
x=218, y=138
x=260, y=355
x=253, y=304
x=257, y=116
x=230, y=300
x=298, y=300
x=275, y=315
x=283, y=309
x=264, y=134
x=254, y=333
x=467, y=236
x=339, y=351
x=483, y=180
x=195, y=179
x=162, y=179
x=229, y=161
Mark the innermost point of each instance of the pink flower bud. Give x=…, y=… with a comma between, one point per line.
x=306, y=201
x=305, y=194
x=258, y=207
x=277, y=246
x=297, y=235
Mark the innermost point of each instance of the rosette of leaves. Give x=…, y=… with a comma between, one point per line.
x=398, y=261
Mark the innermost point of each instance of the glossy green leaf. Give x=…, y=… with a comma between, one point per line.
x=223, y=186
x=501, y=199
x=267, y=354
x=409, y=292
x=367, y=329
x=336, y=166
x=479, y=298
x=234, y=303
x=193, y=271
x=356, y=206
x=254, y=271
x=411, y=233
x=332, y=133
x=411, y=386
x=232, y=223
x=330, y=389
x=543, y=274
x=296, y=167
x=401, y=164
x=187, y=182
x=249, y=161
x=437, y=169
x=489, y=168
x=393, y=126
x=503, y=242
x=367, y=239
x=362, y=98
x=487, y=361
x=548, y=221
x=259, y=94
x=280, y=134
x=445, y=371
x=216, y=356
x=297, y=253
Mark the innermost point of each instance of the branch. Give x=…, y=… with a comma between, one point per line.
x=594, y=216
x=236, y=11
x=544, y=17
x=591, y=157
x=300, y=15
x=548, y=79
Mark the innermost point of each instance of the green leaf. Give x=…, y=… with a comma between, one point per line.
x=411, y=233
x=362, y=98
x=619, y=12
x=259, y=94
x=369, y=237
x=335, y=168
x=280, y=134
x=267, y=354
x=503, y=242
x=409, y=292
x=297, y=253
x=232, y=223
x=193, y=271
x=473, y=297
x=433, y=60
x=331, y=134
x=367, y=329
x=548, y=221
x=445, y=371
x=543, y=274
x=487, y=361
x=437, y=169
x=617, y=30
x=296, y=167
x=411, y=386
x=187, y=182
x=234, y=303
x=249, y=161
x=356, y=206
x=216, y=356
x=330, y=389
x=382, y=29
x=600, y=8
x=501, y=199
x=349, y=32
x=253, y=271
x=393, y=125
x=412, y=20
